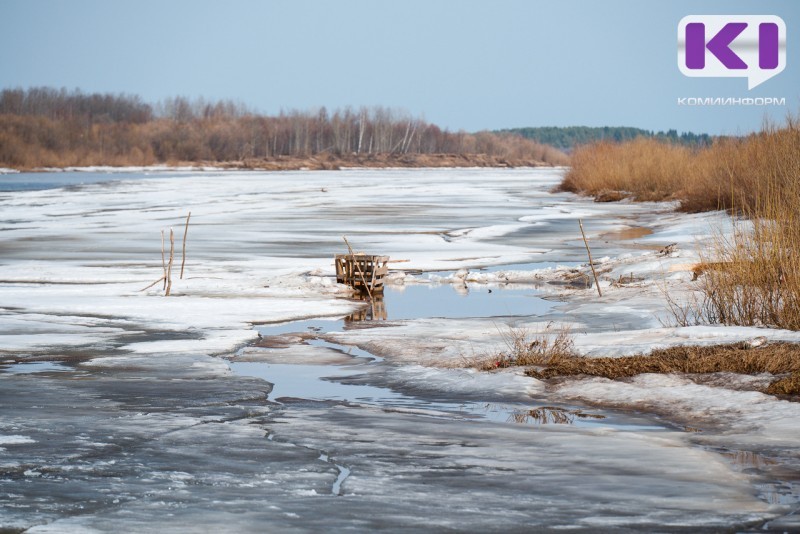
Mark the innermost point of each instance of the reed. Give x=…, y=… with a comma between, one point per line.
x=733, y=174
x=754, y=274
x=753, y=277
x=545, y=347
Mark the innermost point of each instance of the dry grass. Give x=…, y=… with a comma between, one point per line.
x=544, y=348
x=785, y=386
x=751, y=277
x=736, y=174
x=645, y=169
x=550, y=353
x=755, y=275
x=741, y=358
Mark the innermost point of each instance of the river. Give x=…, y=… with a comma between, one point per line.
x=258, y=396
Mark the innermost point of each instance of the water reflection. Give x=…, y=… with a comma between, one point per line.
x=775, y=489
x=375, y=310
x=550, y=415
x=780, y=493
x=747, y=459
x=452, y=301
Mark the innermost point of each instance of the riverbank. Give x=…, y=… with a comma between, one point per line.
x=382, y=161
x=315, y=163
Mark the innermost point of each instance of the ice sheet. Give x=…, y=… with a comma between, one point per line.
x=150, y=417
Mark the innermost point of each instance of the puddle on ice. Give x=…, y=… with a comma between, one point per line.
x=551, y=415
x=307, y=325
x=346, y=349
x=313, y=382
x=322, y=383
x=782, y=493
x=334, y=383
x=350, y=383
x=426, y=301
x=434, y=300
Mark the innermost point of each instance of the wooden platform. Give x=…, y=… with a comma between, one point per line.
x=364, y=272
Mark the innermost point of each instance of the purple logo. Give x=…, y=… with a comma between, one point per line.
x=726, y=46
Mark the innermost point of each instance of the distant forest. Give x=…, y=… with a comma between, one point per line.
x=46, y=127
x=567, y=138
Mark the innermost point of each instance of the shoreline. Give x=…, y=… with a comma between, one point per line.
x=313, y=163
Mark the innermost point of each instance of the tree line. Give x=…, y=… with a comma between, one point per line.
x=47, y=127
x=567, y=138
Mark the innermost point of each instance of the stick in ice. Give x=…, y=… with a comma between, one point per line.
x=591, y=263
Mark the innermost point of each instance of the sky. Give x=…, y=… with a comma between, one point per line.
x=462, y=64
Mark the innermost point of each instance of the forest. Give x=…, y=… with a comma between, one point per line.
x=45, y=127
x=567, y=138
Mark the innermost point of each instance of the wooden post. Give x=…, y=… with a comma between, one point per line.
x=591, y=263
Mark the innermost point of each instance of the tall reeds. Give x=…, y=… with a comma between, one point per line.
x=734, y=174
x=755, y=279
x=754, y=274
x=644, y=168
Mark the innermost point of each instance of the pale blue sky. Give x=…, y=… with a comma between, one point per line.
x=463, y=64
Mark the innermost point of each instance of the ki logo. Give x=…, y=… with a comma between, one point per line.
x=732, y=46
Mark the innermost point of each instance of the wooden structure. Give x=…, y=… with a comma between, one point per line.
x=363, y=272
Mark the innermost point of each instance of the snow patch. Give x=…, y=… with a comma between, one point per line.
x=15, y=439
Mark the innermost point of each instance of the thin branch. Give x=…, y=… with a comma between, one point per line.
x=183, y=253
x=163, y=260
x=171, y=259
x=151, y=285
x=360, y=272
x=591, y=263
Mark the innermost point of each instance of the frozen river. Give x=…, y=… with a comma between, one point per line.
x=258, y=398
